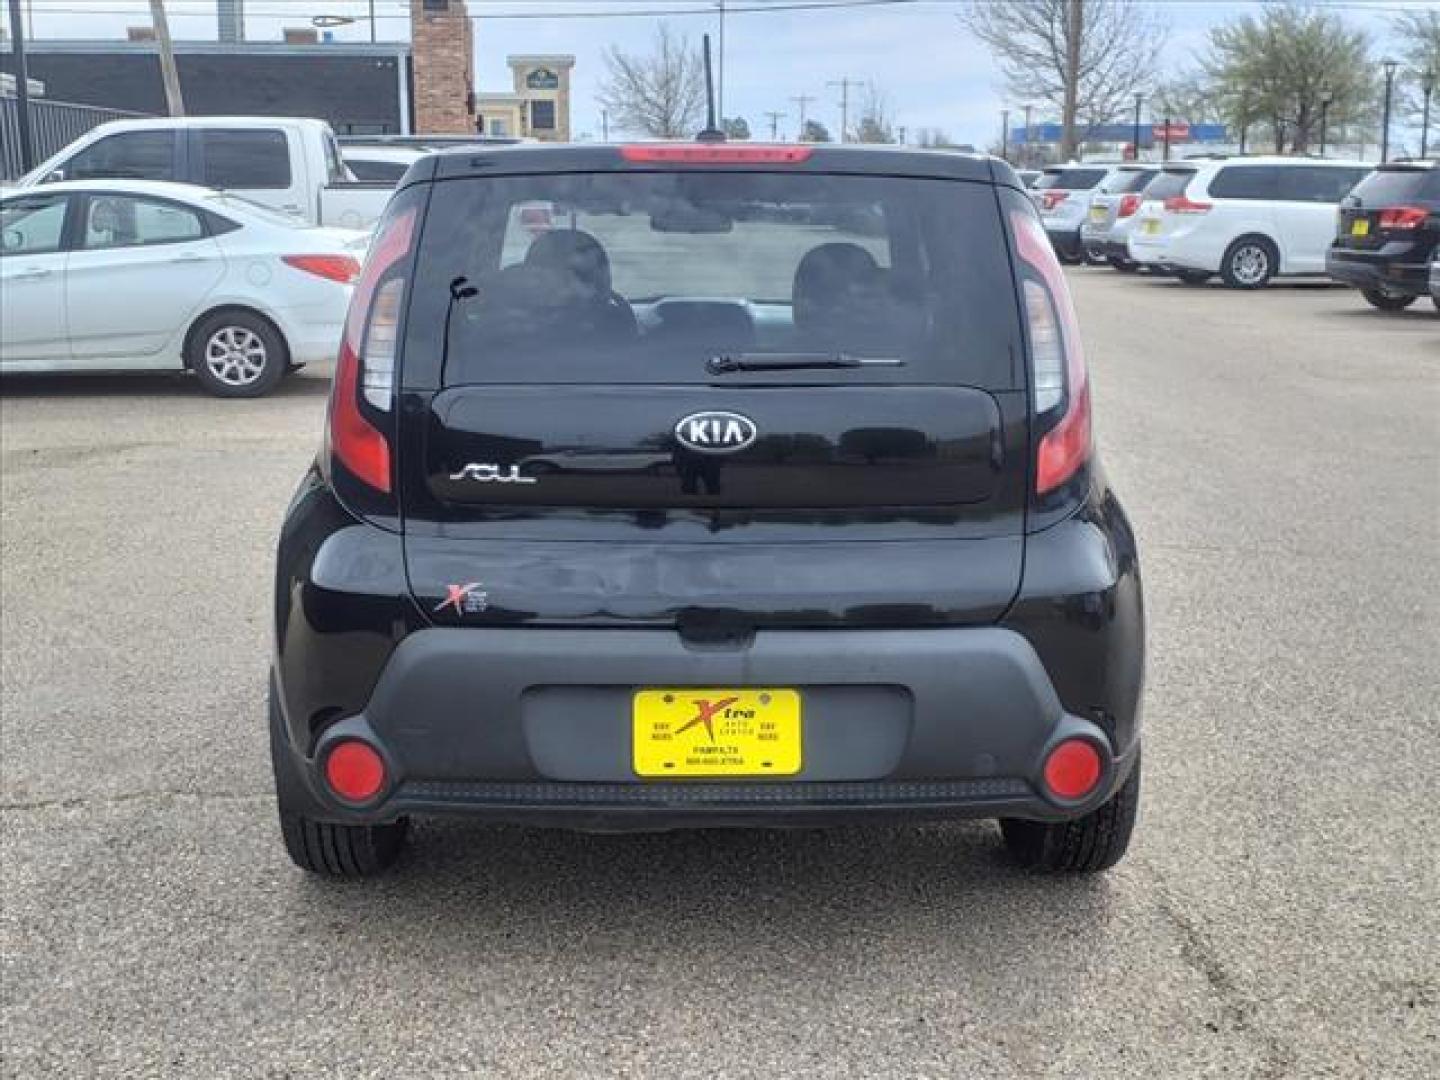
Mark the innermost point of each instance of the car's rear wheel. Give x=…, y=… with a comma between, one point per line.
x=1094, y=842
x=1249, y=263
x=1388, y=301
x=323, y=847
x=237, y=354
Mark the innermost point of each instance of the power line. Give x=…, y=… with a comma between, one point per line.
x=755, y=8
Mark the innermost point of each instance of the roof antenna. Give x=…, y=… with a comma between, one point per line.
x=712, y=133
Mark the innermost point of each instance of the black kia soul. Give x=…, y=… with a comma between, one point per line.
x=681, y=485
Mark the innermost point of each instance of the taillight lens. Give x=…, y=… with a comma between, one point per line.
x=341, y=268
x=365, y=368
x=1053, y=198
x=716, y=154
x=1403, y=217
x=1060, y=381
x=1180, y=204
x=1128, y=205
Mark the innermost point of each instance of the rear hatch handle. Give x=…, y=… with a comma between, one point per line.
x=725, y=363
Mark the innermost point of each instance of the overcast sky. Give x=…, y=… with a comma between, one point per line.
x=933, y=73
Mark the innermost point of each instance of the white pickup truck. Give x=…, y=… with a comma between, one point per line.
x=292, y=165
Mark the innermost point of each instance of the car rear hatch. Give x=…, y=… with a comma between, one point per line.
x=1395, y=211
x=1166, y=206
x=719, y=399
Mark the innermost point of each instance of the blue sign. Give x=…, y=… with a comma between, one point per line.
x=1120, y=133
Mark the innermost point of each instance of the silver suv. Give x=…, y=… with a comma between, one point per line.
x=1113, y=212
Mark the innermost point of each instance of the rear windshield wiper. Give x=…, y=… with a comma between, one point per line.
x=725, y=363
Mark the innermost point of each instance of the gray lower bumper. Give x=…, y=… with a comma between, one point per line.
x=535, y=724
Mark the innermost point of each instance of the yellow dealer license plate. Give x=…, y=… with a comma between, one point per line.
x=1097, y=213
x=1152, y=226
x=1360, y=227
x=707, y=732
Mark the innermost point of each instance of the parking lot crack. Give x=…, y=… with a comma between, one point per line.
x=1237, y=1007
x=64, y=802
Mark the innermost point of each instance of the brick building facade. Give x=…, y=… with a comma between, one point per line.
x=442, y=44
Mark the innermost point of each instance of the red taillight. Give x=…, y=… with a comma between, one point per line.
x=1053, y=198
x=341, y=268
x=355, y=771
x=717, y=154
x=1073, y=769
x=1180, y=204
x=1128, y=205
x=1403, y=217
x=1057, y=360
x=365, y=365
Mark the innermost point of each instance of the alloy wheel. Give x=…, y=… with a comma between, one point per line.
x=235, y=355
x=1250, y=264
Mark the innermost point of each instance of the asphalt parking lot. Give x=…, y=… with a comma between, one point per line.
x=1279, y=915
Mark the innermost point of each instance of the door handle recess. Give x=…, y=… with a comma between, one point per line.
x=30, y=273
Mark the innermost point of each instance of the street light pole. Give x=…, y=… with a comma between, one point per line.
x=1029, y=155
x=1325, y=98
x=1139, y=100
x=1389, y=66
x=1427, y=87
x=1004, y=134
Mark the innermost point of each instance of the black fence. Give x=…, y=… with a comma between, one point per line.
x=53, y=125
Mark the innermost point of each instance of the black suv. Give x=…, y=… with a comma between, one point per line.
x=1388, y=233
x=681, y=485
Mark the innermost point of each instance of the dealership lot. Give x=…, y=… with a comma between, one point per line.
x=1278, y=916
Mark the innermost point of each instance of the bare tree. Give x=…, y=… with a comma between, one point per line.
x=876, y=122
x=661, y=94
x=1085, y=58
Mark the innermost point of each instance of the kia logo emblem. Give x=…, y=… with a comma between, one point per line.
x=715, y=432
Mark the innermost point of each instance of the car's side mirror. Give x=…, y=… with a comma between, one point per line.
x=54, y=176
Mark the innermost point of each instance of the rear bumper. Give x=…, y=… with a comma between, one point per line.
x=535, y=724
x=532, y=722
x=1366, y=270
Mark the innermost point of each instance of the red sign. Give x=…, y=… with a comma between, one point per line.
x=1178, y=131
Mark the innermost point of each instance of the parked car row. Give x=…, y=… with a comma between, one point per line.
x=1252, y=219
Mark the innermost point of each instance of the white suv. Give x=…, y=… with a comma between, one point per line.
x=1246, y=219
x=1062, y=195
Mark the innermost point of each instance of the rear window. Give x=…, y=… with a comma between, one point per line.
x=246, y=159
x=1170, y=184
x=388, y=172
x=1387, y=186
x=1071, y=179
x=644, y=277
x=1128, y=180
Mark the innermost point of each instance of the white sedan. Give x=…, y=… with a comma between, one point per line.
x=131, y=275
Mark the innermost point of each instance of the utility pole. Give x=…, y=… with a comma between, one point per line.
x=775, y=118
x=1389, y=66
x=1028, y=157
x=604, y=125
x=1427, y=88
x=22, y=89
x=1167, y=139
x=174, y=103
x=1139, y=101
x=1004, y=134
x=802, y=100
x=844, y=85
x=372, y=22
x=1326, y=96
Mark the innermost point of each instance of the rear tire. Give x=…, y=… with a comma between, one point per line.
x=1249, y=263
x=237, y=354
x=1385, y=301
x=322, y=847
x=1088, y=844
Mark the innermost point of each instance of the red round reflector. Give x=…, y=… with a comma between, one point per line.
x=355, y=771
x=1073, y=769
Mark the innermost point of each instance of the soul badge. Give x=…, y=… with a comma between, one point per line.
x=468, y=599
